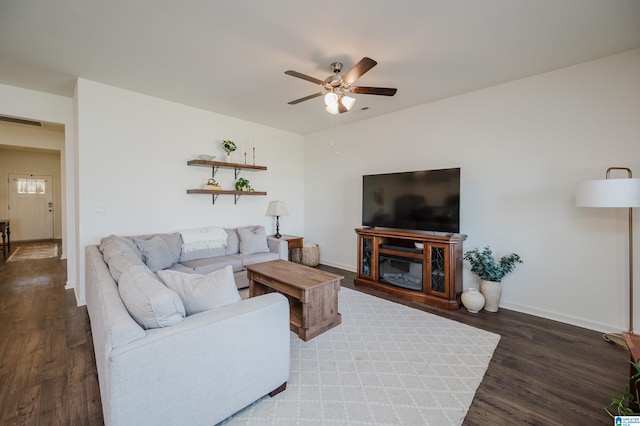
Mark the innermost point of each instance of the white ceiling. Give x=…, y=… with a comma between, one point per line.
x=230, y=56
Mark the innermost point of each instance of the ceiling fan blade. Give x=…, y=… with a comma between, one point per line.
x=304, y=77
x=384, y=91
x=306, y=98
x=358, y=70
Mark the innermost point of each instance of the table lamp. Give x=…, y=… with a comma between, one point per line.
x=277, y=209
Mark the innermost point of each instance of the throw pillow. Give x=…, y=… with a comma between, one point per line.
x=149, y=302
x=118, y=264
x=174, y=241
x=253, y=239
x=114, y=245
x=201, y=293
x=156, y=253
x=233, y=242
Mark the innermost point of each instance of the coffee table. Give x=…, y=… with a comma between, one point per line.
x=312, y=294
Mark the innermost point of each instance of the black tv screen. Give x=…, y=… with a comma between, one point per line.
x=427, y=200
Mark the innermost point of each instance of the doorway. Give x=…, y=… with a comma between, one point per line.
x=31, y=207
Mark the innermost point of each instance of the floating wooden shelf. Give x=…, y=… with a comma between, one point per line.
x=223, y=191
x=237, y=167
x=209, y=163
x=215, y=192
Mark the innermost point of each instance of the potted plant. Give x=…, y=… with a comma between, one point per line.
x=243, y=185
x=229, y=147
x=628, y=403
x=491, y=273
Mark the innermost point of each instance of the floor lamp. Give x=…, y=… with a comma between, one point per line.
x=621, y=193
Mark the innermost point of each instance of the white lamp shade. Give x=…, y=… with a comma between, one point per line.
x=331, y=99
x=277, y=208
x=608, y=193
x=332, y=109
x=348, y=102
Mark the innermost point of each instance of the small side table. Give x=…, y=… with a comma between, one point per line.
x=293, y=243
x=5, y=229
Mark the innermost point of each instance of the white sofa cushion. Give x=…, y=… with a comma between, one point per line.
x=149, y=302
x=233, y=241
x=253, y=239
x=156, y=253
x=201, y=293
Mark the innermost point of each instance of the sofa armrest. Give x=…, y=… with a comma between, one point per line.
x=204, y=369
x=279, y=246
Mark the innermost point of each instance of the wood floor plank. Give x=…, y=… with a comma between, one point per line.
x=54, y=401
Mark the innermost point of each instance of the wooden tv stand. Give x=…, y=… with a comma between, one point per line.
x=388, y=260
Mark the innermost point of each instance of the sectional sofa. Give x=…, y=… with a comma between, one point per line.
x=175, y=344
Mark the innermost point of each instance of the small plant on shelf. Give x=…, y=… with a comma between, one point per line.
x=243, y=185
x=484, y=265
x=229, y=146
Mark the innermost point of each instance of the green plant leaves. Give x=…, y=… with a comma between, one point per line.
x=484, y=265
x=229, y=146
x=243, y=185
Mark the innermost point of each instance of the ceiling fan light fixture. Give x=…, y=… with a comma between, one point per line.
x=331, y=100
x=347, y=102
x=335, y=102
x=332, y=109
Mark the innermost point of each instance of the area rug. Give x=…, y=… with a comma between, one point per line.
x=386, y=364
x=33, y=252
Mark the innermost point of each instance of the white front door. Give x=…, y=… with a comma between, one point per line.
x=31, y=207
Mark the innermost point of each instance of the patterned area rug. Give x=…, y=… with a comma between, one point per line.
x=33, y=252
x=386, y=364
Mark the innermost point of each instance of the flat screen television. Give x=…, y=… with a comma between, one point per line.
x=427, y=200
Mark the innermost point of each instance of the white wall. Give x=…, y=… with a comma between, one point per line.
x=30, y=104
x=522, y=147
x=133, y=175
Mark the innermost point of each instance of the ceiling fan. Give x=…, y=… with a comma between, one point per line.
x=336, y=86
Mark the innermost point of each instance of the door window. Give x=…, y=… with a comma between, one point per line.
x=31, y=186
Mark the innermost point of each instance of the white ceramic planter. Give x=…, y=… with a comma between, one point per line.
x=491, y=291
x=473, y=300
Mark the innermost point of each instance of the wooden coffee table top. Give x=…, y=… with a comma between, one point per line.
x=293, y=274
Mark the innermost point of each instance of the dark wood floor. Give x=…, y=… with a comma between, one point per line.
x=47, y=366
x=542, y=372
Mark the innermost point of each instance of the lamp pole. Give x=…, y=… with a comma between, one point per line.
x=629, y=176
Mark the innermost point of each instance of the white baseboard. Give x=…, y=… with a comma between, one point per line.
x=555, y=316
x=338, y=265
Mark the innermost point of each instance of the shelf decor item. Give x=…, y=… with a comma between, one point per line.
x=277, y=209
x=229, y=147
x=243, y=185
x=213, y=184
x=614, y=193
x=206, y=157
x=491, y=273
x=473, y=300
